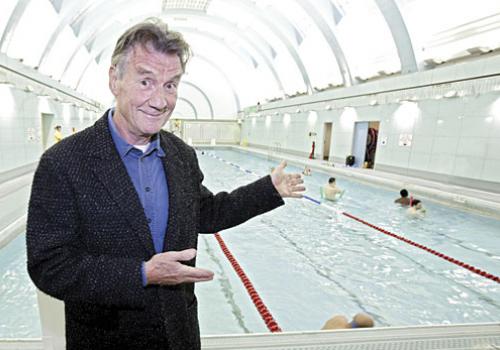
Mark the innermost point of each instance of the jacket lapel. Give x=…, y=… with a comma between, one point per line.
x=111, y=171
x=173, y=166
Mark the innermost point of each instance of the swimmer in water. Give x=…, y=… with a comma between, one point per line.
x=360, y=320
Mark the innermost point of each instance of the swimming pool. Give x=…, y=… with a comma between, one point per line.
x=308, y=262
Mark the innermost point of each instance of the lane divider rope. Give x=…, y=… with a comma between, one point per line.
x=469, y=267
x=264, y=312
x=427, y=249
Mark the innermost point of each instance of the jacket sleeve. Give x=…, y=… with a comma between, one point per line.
x=227, y=209
x=58, y=263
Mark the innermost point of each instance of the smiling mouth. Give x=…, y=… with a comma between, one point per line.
x=154, y=115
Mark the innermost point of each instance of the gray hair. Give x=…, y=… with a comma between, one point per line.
x=151, y=31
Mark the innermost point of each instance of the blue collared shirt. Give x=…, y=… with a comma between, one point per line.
x=148, y=176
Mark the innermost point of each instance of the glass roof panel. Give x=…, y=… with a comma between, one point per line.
x=95, y=83
x=314, y=51
x=72, y=75
x=60, y=54
x=451, y=27
x=290, y=77
x=6, y=8
x=252, y=41
x=365, y=38
x=34, y=29
x=210, y=81
x=199, y=5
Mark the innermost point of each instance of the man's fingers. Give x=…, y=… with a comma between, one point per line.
x=183, y=255
x=294, y=182
x=298, y=189
x=196, y=274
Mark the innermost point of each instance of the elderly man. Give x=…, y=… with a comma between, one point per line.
x=116, y=209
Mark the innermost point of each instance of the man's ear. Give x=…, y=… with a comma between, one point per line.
x=113, y=80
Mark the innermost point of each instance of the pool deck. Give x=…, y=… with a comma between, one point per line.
x=478, y=201
x=480, y=336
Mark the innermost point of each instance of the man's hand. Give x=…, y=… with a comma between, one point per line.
x=288, y=185
x=165, y=268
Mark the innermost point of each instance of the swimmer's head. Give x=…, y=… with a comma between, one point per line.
x=403, y=193
x=331, y=180
x=416, y=203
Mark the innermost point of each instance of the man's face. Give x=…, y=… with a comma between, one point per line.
x=145, y=92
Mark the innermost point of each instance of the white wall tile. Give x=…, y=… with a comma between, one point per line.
x=429, y=108
x=475, y=127
x=445, y=145
x=493, y=149
x=470, y=167
x=420, y=161
x=425, y=125
x=451, y=108
x=472, y=146
x=421, y=143
x=441, y=163
x=448, y=126
x=491, y=170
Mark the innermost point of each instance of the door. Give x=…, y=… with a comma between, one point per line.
x=359, y=143
x=47, y=121
x=327, y=139
x=371, y=144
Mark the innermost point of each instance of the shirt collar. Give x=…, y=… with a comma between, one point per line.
x=124, y=147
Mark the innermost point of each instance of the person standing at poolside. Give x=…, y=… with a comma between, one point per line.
x=57, y=133
x=115, y=209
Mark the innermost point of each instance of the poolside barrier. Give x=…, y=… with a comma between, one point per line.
x=469, y=267
x=269, y=320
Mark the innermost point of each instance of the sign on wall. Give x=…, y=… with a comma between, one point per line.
x=405, y=140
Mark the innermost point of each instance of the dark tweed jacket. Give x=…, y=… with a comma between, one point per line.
x=87, y=236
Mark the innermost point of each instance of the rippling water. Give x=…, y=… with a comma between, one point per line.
x=311, y=262
x=19, y=316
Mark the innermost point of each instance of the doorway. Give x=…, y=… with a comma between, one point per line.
x=371, y=144
x=47, y=121
x=365, y=144
x=327, y=139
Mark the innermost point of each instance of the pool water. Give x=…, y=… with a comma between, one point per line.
x=19, y=316
x=308, y=262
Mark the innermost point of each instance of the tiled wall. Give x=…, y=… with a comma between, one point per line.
x=21, y=122
x=452, y=137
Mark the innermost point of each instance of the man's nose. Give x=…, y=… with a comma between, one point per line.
x=158, y=100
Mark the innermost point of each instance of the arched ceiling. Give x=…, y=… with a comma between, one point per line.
x=247, y=51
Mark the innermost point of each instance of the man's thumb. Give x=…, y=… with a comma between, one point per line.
x=282, y=165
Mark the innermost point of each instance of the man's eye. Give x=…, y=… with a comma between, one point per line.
x=171, y=87
x=145, y=82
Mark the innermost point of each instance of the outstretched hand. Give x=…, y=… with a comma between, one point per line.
x=287, y=185
x=166, y=268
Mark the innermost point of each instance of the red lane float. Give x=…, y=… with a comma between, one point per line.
x=271, y=324
x=427, y=249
